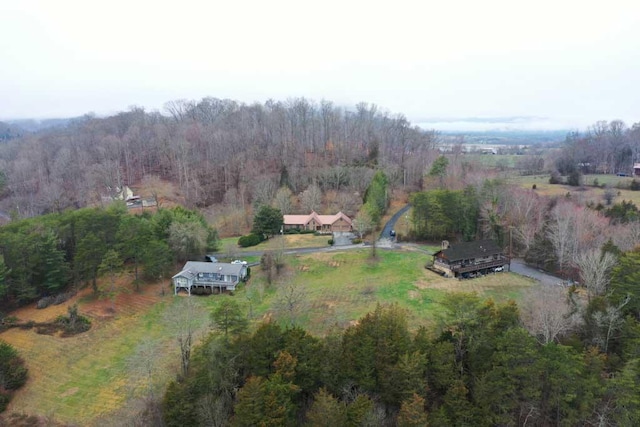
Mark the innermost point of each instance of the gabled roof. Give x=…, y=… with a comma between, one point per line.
x=192, y=268
x=297, y=219
x=330, y=219
x=470, y=250
x=320, y=219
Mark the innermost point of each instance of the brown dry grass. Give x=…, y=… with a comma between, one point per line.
x=80, y=378
x=486, y=285
x=582, y=195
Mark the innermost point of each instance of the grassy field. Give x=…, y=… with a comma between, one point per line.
x=229, y=245
x=502, y=161
x=97, y=378
x=81, y=378
x=582, y=194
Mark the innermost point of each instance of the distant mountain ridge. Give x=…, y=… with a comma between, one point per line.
x=37, y=125
x=499, y=124
x=10, y=131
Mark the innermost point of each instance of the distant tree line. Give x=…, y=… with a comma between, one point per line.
x=606, y=147
x=215, y=151
x=46, y=255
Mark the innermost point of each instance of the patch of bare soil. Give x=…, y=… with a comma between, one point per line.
x=23, y=420
x=126, y=301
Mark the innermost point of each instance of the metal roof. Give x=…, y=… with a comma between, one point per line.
x=192, y=268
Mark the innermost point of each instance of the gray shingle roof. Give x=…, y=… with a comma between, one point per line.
x=192, y=268
x=469, y=250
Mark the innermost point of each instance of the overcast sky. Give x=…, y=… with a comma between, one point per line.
x=565, y=63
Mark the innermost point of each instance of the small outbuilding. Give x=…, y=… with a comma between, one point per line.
x=466, y=259
x=207, y=277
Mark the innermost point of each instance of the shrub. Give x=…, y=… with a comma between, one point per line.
x=356, y=241
x=330, y=241
x=74, y=323
x=574, y=179
x=5, y=398
x=533, y=187
x=634, y=186
x=555, y=178
x=13, y=373
x=249, y=240
x=10, y=320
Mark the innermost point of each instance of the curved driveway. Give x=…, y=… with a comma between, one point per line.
x=519, y=267
x=390, y=225
x=386, y=242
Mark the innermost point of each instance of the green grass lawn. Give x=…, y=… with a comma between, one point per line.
x=341, y=287
x=503, y=161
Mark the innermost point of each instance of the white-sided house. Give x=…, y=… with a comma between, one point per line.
x=207, y=277
x=313, y=221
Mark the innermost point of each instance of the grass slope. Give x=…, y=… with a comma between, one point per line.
x=98, y=378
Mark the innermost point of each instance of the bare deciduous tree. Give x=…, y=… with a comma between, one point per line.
x=282, y=200
x=561, y=233
x=595, y=268
x=311, y=199
x=363, y=223
x=547, y=313
x=525, y=212
x=184, y=320
x=608, y=323
x=291, y=299
x=263, y=192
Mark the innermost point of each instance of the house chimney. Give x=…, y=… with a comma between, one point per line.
x=445, y=244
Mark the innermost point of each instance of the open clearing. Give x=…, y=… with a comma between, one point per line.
x=582, y=194
x=97, y=378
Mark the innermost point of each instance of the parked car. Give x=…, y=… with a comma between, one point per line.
x=393, y=233
x=210, y=258
x=239, y=261
x=499, y=269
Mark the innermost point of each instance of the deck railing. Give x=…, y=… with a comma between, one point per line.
x=481, y=265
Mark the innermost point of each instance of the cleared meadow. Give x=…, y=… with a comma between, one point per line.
x=584, y=194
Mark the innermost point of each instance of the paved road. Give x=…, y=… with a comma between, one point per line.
x=518, y=266
x=390, y=225
x=386, y=242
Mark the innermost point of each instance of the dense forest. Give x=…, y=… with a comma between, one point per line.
x=479, y=367
x=214, y=150
x=58, y=253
